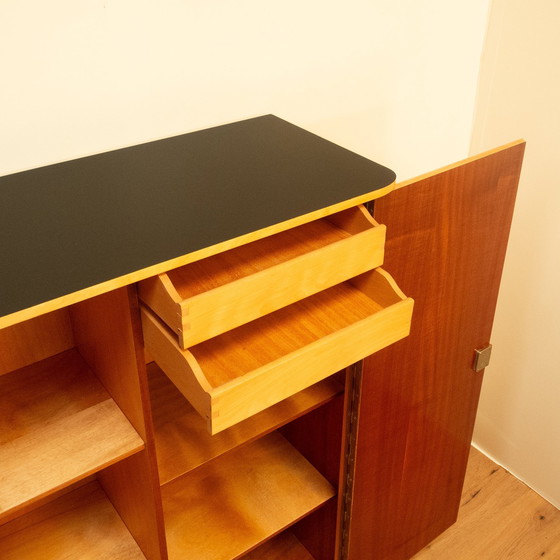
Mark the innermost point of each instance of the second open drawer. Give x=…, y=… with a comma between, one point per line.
x=241, y=372
x=211, y=296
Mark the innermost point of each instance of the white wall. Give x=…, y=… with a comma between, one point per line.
x=519, y=417
x=394, y=80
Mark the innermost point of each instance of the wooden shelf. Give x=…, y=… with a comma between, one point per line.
x=241, y=372
x=81, y=524
x=213, y=295
x=232, y=504
x=283, y=547
x=58, y=425
x=182, y=440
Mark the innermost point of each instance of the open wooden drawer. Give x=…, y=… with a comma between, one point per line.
x=211, y=296
x=243, y=371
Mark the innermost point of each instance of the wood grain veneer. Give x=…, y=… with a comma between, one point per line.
x=182, y=440
x=320, y=437
x=277, y=335
x=108, y=334
x=82, y=524
x=283, y=547
x=30, y=341
x=447, y=236
x=233, y=376
x=58, y=425
x=237, y=501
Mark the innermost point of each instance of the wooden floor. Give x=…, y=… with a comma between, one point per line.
x=500, y=518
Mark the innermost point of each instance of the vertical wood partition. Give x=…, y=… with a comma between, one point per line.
x=446, y=241
x=108, y=336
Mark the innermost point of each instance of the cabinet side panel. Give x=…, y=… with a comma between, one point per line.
x=446, y=243
x=108, y=335
x=105, y=338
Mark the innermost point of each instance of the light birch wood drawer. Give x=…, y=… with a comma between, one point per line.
x=211, y=296
x=243, y=371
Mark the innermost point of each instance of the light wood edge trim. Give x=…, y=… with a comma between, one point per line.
x=156, y=269
x=179, y=365
x=460, y=163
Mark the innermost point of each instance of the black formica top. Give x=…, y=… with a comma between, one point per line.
x=72, y=225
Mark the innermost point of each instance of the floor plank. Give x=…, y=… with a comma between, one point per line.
x=500, y=518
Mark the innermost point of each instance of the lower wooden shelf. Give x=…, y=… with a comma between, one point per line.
x=81, y=524
x=283, y=547
x=58, y=425
x=234, y=503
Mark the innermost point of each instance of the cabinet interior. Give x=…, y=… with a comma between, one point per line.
x=73, y=436
x=85, y=418
x=238, y=449
x=225, y=495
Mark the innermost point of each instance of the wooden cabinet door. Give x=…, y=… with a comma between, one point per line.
x=446, y=241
